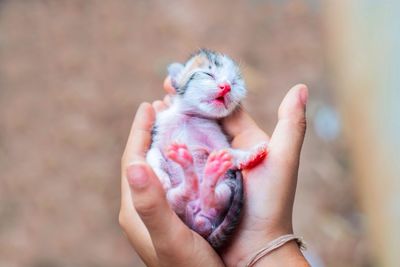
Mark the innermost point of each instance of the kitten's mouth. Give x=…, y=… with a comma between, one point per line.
x=220, y=101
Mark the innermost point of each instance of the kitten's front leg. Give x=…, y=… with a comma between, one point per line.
x=249, y=159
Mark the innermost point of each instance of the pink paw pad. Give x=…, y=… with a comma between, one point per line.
x=180, y=154
x=255, y=159
x=218, y=163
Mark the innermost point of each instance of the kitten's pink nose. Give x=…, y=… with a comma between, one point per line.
x=225, y=88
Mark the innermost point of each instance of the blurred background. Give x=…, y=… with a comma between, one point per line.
x=72, y=74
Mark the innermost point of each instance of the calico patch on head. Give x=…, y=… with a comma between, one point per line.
x=208, y=84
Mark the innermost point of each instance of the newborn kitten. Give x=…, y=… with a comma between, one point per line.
x=191, y=154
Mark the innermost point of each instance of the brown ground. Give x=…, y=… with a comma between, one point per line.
x=72, y=74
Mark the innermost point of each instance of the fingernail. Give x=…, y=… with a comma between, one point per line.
x=137, y=176
x=303, y=95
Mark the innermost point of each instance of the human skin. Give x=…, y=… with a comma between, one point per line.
x=161, y=239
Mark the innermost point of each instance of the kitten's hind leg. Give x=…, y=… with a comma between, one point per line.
x=214, y=194
x=216, y=167
x=188, y=189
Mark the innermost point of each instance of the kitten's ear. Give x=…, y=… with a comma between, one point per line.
x=173, y=71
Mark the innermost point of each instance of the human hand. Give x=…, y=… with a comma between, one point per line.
x=157, y=234
x=269, y=187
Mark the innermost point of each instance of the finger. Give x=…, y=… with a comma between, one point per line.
x=138, y=141
x=140, y=135
x=159, y=106
x=137, y=233
x=167, y=231
x=244, y=130
x=167, y=100
x=288, y=136
x=168, y=86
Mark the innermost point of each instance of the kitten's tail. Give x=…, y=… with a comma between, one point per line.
x=225, y=230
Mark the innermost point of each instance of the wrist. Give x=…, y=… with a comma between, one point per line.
x=248, y=242
x=287, y=255
x=261, y=238
x=279, y=249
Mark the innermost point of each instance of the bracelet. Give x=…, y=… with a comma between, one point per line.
x=274, y=244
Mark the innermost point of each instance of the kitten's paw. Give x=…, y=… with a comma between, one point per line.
x=202, y=225
x=218, y=163
x=180, y=154
x=257, y=156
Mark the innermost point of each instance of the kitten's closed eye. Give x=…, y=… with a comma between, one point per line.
x=208, y=74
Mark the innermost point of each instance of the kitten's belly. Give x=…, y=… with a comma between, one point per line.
x=207, y=205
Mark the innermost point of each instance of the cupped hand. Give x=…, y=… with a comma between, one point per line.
x=271, y=186
x=159, y=237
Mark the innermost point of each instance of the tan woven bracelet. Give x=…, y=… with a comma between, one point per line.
x=274, y=244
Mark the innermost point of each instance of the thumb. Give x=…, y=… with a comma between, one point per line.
x=149, y=199
x=288, y=136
